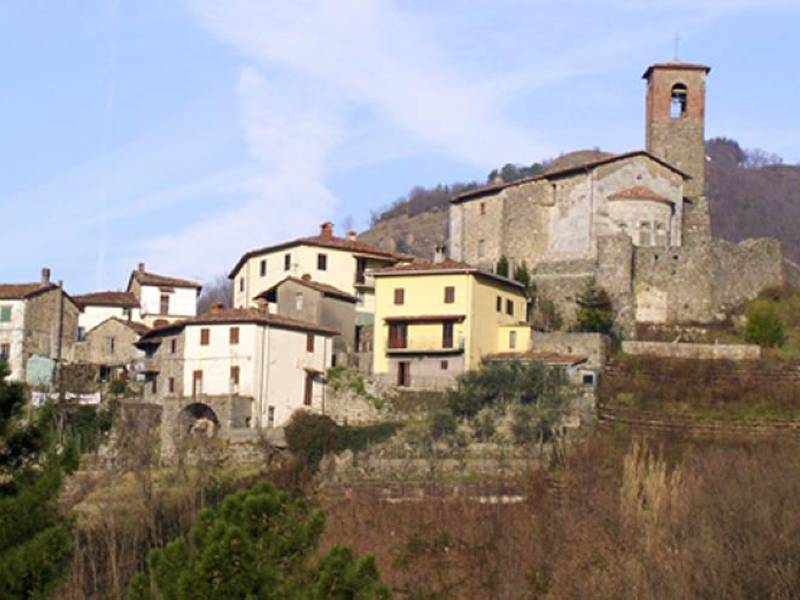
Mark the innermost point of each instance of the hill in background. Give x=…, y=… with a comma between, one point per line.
x=751, y=194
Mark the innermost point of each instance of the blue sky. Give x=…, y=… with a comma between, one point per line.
x=182, y=134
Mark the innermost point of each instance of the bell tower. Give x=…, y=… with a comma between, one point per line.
x=676, y=105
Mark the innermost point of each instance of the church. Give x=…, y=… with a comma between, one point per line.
x=637, y=223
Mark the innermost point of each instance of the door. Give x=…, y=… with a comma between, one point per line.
x=309, y=389
x=404, y=374
x=197, y=383
x=447, y=334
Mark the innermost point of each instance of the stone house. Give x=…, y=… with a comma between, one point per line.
x=637, y=223
x=315, y=302
x=36, y=320
x=435, y=320
x=110, y=345
x=97, y=307
x=163, y=299
x=239, y=368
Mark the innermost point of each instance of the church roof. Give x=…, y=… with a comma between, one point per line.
x=675, y=66
x=640, y=192
x=551, y=174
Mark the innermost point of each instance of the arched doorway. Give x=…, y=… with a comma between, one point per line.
x=198, y=419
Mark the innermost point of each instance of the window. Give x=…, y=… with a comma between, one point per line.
x=645, y=234
x=5, y=352
x=205, y=336
x=235, y=375
x=233, y=336
x=241, y=284
x=309, y=342
x=447, y=334
x=322, y=262
x=399, y=296
x=499, y=304
x=481, y=248
x=512, y=339
x=171, y=385
x=173, y=346
x=263, y=267
x=5, y=313
x=443, y=365
x=287, y=262
x=309, y=391
x=197, y=383
x=164, y=304
x=588, y=379
x=449, y=294
x=398, y=335
x=510, y=307
x=154, y=384
x=483, y=208
x=298, y=301
x=677, y=105
x=271, y=416
x=110, y=345
x=81, y=333
x=404, y=374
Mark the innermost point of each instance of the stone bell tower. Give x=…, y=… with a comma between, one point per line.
x=676, y=104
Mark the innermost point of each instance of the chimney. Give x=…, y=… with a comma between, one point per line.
x=498, y=180
x=262, y=304
x=306, y=277
x=140, y=268
x=45, y=275
x=439, y=253
x=351, y=235
x=326, y=229
x=217, y=307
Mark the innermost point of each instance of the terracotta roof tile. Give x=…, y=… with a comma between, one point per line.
x=489, y=189
x=425, y=318
x=145, y=278
x=22, y=291
x=323, y=241
x=446, y=266
x=314, y=285
x=123, y=299
x=255, y=315
x=675, y=65
x=640, y=192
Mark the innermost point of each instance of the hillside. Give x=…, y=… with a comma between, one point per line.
x=751, y=194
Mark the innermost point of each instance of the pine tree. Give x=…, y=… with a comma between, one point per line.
x=502, y=267
x=595, y=313
x=258, y=544
x=35, y=539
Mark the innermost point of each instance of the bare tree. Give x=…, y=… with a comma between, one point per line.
x=220, y=289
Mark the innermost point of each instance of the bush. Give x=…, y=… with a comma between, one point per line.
x=484, y=427
x=524, y=426
x=443, y=423
x=310, y=437
x=118, y=387
x=764, y=327
x=595, y=314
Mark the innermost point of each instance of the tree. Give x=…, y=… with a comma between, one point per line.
x=258, y=544
x=502, y=267
x=764, y=327
x=523, y=276
x=595, y=313
x=35, y=538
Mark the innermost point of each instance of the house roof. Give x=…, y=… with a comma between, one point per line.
x=110, y=298
x=552, y=174
x=146, y=278
x=425, y=318
x=219, y=316
x=23, y=291
x=446, y=266
x=324, y=288
x=640, y=192
x=323, y=241
x=135, y=326
x=675, y=66
x=550, y=358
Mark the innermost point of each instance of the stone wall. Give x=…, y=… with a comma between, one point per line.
x=96, y=348
x=47, y=331
x=595, y=346
x=696, y=351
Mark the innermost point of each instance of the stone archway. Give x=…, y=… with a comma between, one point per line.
x=198, y=419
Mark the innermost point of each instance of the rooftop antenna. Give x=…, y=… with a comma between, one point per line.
x=677, y=42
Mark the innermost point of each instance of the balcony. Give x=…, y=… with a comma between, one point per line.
x=364, y=281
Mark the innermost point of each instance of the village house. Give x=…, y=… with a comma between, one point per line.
x=238, y=368
x=435, y=320
x=38, y=326
x=344, y=263
x=163, y=299
x=315, y=302
x=110, y=346
x=96, y=307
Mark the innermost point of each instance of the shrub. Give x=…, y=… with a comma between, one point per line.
x=443, y=423
x=502, y=267
x=484, y=427
x=524, y=426
x=595, y=314
x=764, y=327
x=118, y=387
x=311, y=436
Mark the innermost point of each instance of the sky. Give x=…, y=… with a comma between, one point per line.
x=183, y=133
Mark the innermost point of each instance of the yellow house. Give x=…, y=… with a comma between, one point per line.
x=437, y=319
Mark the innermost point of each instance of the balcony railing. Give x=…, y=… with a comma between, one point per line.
x=363, y=279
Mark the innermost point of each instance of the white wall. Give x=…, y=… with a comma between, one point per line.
x=182, y=303
x=91, y=316
x=13, y=333
x=217, y=358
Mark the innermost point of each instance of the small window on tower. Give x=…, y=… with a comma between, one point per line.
x=677, y=106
